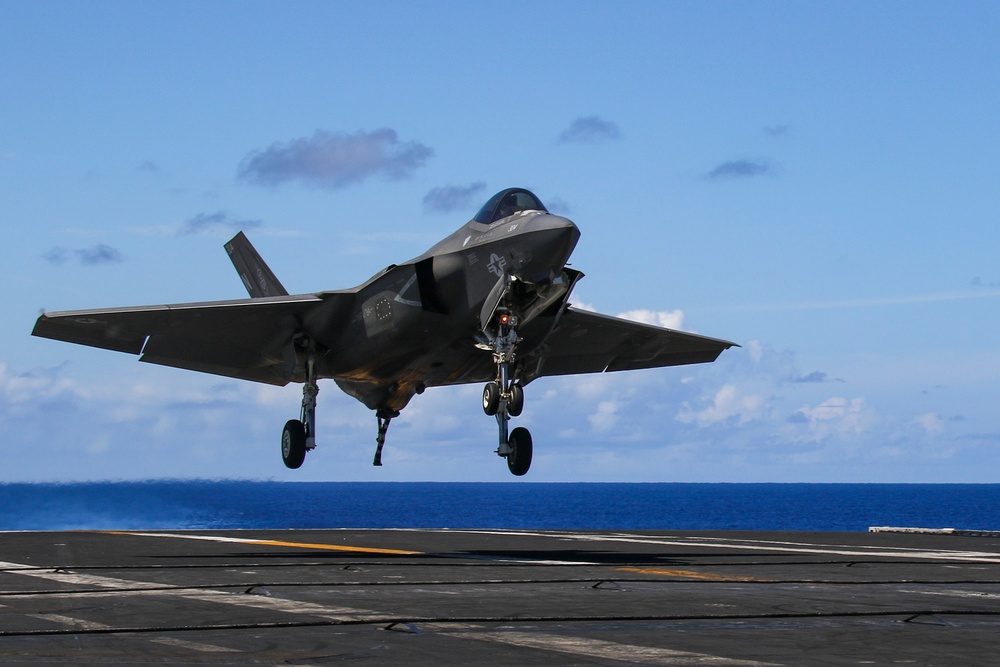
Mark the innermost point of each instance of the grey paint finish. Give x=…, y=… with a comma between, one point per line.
x=422, y=323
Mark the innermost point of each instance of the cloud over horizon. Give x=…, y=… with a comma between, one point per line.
x=335, y=160
x=220, y=221
x=453, y=197
x=93, y=256
x=590, y=130
x=733, y=169
x=777, y=130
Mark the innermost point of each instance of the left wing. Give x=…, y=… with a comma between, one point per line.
x=250, y=339
x=586, y=342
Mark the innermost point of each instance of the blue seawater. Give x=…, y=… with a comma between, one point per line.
x=518, y=505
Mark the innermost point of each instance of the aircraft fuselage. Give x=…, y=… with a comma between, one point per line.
x=383, y=357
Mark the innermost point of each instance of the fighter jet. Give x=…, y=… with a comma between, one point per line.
x=489, y=303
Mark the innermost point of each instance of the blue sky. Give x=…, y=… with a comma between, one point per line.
x=815, y=181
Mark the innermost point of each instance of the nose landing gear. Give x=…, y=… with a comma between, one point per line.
x=504, y=397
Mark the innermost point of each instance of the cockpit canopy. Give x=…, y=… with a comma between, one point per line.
x=506, y=203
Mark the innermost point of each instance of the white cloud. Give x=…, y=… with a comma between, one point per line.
x=671, y=319
x=930, y=422
x=101, y=444
x=29, y=389
x=605, y=417
x=756, y=350
x=836, y=416
x=729, y=404
x=589, y=387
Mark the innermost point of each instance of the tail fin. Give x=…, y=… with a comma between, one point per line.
x=256, y=276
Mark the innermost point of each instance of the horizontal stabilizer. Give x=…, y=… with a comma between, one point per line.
x=259, y=280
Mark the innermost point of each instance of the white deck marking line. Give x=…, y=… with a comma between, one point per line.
x=76, y=623
x=238, y=599
x=204, y=595
x=975, y=595
x=81, y=624
x=838, y=550
x=284, y=605
x=78, y=579
x=735, y=540
x=196, y=646
x=605, y=650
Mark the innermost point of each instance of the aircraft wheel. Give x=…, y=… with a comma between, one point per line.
x=519, y=460
x=516, y=400
x=491, y=398
x=293, y=443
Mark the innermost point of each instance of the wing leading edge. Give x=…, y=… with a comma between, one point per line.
x=586, y=342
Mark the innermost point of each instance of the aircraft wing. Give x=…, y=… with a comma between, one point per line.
x=586, y=342
x=248, y=339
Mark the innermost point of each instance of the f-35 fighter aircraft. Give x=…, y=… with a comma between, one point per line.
x=489, y=303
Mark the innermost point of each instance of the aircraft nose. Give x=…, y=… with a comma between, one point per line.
x=563, y=233
x=553, y=239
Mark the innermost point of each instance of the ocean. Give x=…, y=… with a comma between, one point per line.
x=518, y=505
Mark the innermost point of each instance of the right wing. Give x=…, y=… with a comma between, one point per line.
x=250, y=339
x=586, y=342
x=574, y=342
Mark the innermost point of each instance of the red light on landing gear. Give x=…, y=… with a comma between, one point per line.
x=506, y=320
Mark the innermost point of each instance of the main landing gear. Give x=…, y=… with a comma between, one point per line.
x=504, y=397
x=299, y=435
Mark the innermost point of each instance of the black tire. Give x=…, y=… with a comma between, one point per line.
x=293, y=443
x=491, y=398
x=516, y=403
x=519, y=460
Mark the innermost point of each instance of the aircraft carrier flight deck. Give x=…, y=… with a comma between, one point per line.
x=433, y=597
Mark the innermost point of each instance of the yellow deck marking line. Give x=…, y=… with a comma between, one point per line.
x=336, y=547
x=269, y=543
x=687, y=574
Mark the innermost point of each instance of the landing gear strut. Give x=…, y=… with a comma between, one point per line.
x=299, y=435
x=504, y=397
x=384, y=416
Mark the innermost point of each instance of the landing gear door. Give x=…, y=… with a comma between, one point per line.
x=492, y=302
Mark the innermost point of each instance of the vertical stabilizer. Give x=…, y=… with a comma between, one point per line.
x=255, y=274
